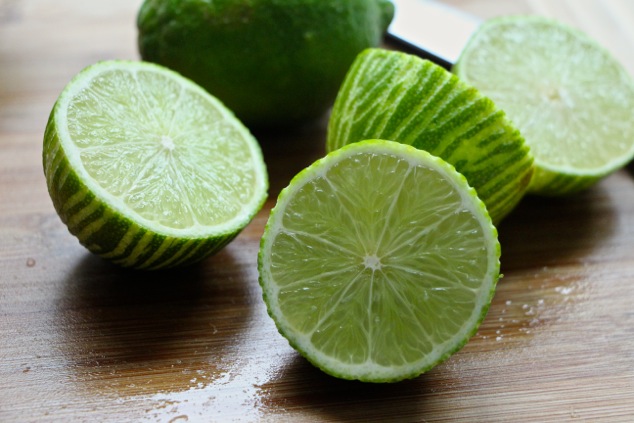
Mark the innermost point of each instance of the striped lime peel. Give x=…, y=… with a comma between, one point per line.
x=378, y=262
x=147, y=169
x=570, y=98
x=400, y=97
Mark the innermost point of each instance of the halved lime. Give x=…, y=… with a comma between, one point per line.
x=378, y=262
x=147, y=169
x=400, y=97
x=569, y=97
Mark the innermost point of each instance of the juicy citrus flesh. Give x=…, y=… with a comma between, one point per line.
x=271, y=62
x=378, y=262
x=138, y=159
x=569, y=97
x=400, y=97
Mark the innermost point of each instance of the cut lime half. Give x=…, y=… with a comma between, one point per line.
x=147, y=169
x=400, y=97
x=572, y=101
x=378, y=262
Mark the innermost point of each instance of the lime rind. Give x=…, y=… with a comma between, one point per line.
x=371, y=371
x=401, y=97
x=574, y=146
x=269, y=74
x=102, y=222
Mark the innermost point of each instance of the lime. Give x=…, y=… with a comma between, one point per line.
x=147, y=169
x=400, y=97
x=569, y=97
x=273, y=62
x=378, y=262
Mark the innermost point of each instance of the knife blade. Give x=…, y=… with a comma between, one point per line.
x=431, y=29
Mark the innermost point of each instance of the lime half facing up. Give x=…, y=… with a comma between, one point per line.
x=378, y=262
x=147, y=169
x=400, y=97
x=572, y=101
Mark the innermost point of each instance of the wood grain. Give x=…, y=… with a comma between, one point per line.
x=81, y=340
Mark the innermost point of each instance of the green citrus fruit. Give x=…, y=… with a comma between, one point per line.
x=147, y=169
x=378, y=262
x=569, y=97
x=272, y=62
x=400, y=97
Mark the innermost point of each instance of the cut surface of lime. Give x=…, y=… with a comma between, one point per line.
x=147, y=169
x=400, y=97
x=378, y=262
x=568, y=96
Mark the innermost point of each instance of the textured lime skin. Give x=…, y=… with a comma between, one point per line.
x=107, y=230
x=400, y=97
x=289, y=328
x=272, y=62
x=568, y=96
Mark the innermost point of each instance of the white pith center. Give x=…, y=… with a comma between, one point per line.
x=167, y=142
x=371, y=261
x=556, y=94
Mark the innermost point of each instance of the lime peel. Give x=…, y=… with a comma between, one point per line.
x=401, y=97
x=271, y=62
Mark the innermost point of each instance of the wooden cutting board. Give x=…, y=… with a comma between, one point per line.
x=81, y=340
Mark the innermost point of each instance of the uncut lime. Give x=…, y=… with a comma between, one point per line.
x=400, y=97
x=273, y=62
x=378, y=262
x=147, y=169
x=569, y=97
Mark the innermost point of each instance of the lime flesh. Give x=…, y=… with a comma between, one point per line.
x=378, y=262
x=569, y=97
x=146, y=168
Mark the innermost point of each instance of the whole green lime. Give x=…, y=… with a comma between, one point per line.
x=272, y=62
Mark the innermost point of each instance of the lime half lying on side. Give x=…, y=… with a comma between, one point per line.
x=378, y=262
x=572, y=101
x=147, y=169
x=400, y=97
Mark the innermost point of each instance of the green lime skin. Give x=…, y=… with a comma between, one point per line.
x=400, y=97
x=272, y=62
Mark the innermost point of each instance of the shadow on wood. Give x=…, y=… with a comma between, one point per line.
x=137, y=332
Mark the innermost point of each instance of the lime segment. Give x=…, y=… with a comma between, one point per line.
x=378, y=262
x=569, y=97
x=148, y=169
